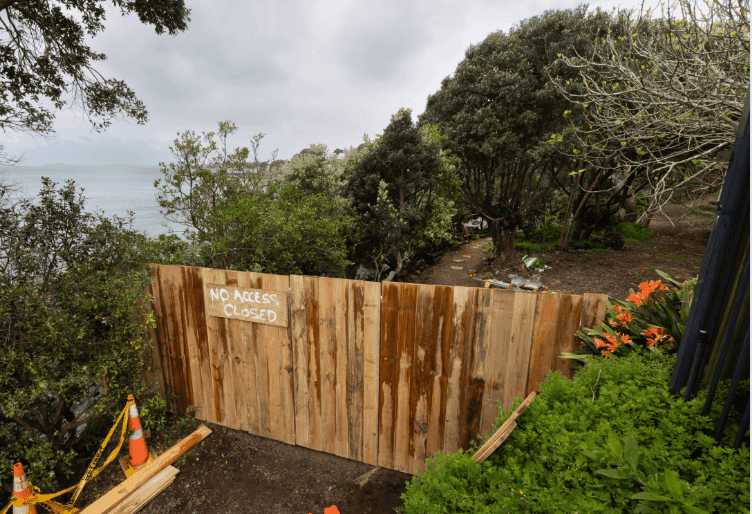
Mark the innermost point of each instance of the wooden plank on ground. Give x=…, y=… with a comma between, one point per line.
x=490, y=445
x=544, y=350
x=367, y=330
x=499, y=347
x=502, y=437
x=567, y=324
x=463, y=315
x=115, y=496
x=138, y=499
x=518, y=361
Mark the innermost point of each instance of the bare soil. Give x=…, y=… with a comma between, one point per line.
x=677, y=248
x=236, y=472
x=233, y=471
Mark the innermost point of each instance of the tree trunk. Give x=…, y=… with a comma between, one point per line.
x=630, y=208
x=564, y=237
x=396, y=270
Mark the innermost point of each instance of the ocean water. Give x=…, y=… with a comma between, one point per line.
x=114, y=189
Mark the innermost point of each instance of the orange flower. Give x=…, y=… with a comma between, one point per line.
x=657, y=335
x=618, y=309
x=624, y=318
x=606, y=353
x=625, y=338
x=637, y=299
x=598, y=343
x=614, y=342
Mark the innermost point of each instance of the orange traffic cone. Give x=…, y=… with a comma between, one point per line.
x=22, y=490
x=138, y=453
x=331, y=510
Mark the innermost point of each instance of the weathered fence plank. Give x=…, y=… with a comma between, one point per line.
x=499, y=335
x=567, y=324
x=544, y=340
x=463, y=316
x=335, y=328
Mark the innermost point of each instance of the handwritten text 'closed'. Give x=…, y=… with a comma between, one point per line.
x=256, y=305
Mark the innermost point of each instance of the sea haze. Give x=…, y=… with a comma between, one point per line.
x=112, y=188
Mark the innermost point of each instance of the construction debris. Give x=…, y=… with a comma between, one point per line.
x=132, y=490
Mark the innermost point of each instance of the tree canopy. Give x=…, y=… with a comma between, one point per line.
x=663, y=95
x=499, y=109
x=44, y=55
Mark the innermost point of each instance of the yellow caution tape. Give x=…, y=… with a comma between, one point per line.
x=90, y=474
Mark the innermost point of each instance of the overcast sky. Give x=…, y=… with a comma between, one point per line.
x=301, y=72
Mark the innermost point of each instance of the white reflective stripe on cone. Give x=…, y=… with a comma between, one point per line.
x=138, y=434
x=133, y=412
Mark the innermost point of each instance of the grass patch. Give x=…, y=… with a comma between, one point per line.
x=675, y=257
x=634, y=232
x=651, y=250
x=529, y=247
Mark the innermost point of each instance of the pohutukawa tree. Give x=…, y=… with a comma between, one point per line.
x=663, y=95
x=499, y=110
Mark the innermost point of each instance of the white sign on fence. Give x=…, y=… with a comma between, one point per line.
x=256, y=305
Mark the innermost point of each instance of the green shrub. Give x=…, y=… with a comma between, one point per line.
x=75, y=319
x=634, y=232
x=607, y=441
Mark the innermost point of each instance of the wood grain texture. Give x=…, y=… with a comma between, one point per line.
x=405, y=416
x=474, y=377
x=521, y=345
x=198, y=340
x=390, y=301
x=463, y=315
x=367, y=330
x=544, y=350
x=567, y=324
x=499, y=349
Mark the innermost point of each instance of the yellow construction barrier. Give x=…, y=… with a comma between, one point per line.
x=45, y=500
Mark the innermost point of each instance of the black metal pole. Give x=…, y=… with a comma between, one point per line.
x=703, y=340
x=738, y=301
x=733, y=211
x=740, y=365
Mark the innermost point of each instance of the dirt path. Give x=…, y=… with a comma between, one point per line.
x=676, y=249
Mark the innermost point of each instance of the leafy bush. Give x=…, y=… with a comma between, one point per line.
x=74, y=314
x=654, y=317
x=613, y=440
x=634, y=232
x=528, y=246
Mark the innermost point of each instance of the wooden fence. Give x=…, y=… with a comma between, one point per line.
x=382, y=373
